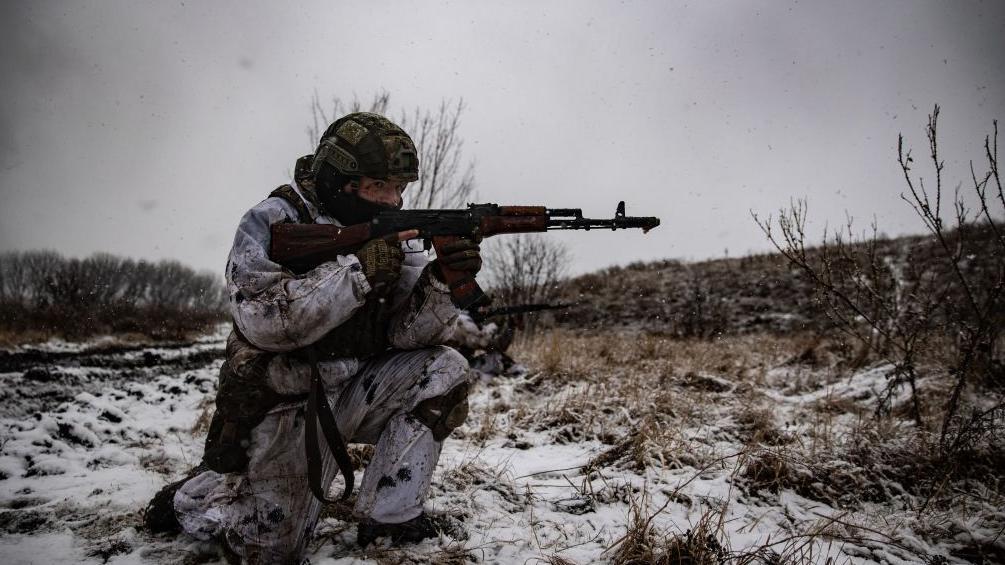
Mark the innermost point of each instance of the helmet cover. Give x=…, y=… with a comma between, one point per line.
x=368, y=144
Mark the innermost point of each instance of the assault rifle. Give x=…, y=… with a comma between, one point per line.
x=480, y=315
x=301, y=247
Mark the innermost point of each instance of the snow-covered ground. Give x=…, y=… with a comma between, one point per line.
x=698, y=449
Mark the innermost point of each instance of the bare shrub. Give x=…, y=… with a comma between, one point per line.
x=896, y=309
x=703, y=314
x=891, y=316
x=444, y=182
x=525, y=269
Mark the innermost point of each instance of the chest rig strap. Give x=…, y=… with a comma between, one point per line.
x=289, y=194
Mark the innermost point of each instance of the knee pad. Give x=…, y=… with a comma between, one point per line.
x=443, y=413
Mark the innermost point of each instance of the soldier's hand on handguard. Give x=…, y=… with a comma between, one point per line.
x=463, y=255
x=381, y=260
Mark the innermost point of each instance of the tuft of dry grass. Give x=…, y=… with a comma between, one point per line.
x=488, y=428
x=653, y=444
x=704, y=543
x=206, y=408
x=553, y=354
x=757, y=425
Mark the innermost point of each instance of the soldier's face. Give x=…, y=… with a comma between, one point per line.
x=383, y=192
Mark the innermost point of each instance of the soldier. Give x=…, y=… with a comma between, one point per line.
x=366, y=330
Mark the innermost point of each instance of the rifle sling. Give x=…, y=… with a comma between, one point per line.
x=319, y=412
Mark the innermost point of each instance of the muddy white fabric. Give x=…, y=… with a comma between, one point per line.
x=268, y=514
x=278, y=311
x=468, y=333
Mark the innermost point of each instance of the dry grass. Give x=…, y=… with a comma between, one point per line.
x=661, y=404
x=637, y=392
x=552, y=560
x=704, y=543
x=206, y=408
x=758, y=425
x=10, y=338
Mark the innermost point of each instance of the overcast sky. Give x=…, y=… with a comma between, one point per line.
x=147, y=128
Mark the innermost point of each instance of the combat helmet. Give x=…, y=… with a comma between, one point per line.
x=368, y=144
x=357, y=145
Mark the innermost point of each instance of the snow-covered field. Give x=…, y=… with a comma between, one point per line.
x=619, y=448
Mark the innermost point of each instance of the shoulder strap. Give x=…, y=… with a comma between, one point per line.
x=287, y=193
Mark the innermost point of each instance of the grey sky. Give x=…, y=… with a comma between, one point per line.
x=147, y=128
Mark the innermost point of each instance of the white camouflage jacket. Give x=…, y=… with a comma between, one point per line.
x=278, y=311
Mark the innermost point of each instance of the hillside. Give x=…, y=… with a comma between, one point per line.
x=735, y=296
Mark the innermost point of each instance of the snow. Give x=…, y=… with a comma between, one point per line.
x=42, y=549
x=78, y=468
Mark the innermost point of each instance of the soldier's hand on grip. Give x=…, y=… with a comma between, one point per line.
x=463, y=255
x=381, y=260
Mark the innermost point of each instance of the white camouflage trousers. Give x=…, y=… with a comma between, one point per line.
x=268, y=514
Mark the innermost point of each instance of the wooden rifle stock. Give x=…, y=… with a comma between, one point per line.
x=301, y=247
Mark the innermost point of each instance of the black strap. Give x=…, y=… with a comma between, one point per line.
x=320, y=412
x=287, y=193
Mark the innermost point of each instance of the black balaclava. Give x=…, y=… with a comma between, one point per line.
x=347, y=208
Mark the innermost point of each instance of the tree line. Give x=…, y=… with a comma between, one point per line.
x=70, y=297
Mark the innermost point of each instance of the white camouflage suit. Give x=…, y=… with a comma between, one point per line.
x=267, y=514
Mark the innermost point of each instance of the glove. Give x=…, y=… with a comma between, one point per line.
x=381, y=263
x=463, y=255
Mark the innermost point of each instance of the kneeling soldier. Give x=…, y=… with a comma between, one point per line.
x=362, y=334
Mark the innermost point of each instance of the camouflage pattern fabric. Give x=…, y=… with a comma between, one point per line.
x=368, y=144
x=266, y=513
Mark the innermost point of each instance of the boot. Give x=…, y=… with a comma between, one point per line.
x=159, y=516
x=413, y=531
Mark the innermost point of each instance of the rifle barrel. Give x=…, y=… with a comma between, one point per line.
x=645, y=223
x=572, y=219
x=563, y=212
